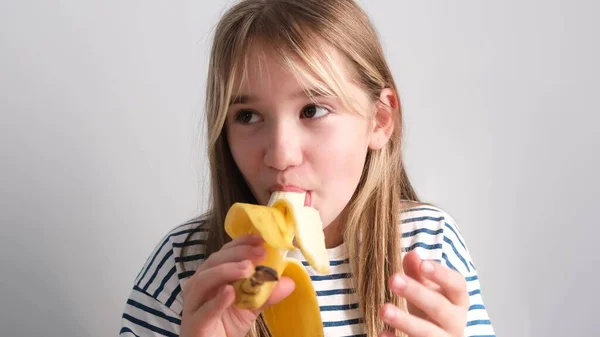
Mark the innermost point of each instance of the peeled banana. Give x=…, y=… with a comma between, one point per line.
x=283, y=223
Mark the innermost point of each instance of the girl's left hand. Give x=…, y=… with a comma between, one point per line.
x=437, y=300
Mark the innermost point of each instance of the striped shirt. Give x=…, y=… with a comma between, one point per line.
x=155, y=303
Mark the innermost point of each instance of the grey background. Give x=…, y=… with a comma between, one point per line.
x=102, y=149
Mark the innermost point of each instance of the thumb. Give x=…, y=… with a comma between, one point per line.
x=411, y=265
x=284, y=287
x=210, y=313
x=412, y=268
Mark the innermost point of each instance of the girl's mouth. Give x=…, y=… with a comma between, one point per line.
x=292, y=188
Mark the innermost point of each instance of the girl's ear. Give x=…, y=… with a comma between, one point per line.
x=383, y=123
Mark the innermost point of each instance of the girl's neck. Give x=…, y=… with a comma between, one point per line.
x=334, y=233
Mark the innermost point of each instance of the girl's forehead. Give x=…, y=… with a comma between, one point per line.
x=263, y=65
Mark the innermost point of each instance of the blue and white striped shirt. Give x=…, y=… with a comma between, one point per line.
x=155, y=303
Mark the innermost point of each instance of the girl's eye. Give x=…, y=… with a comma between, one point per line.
x=246, y=116
x=314, y=111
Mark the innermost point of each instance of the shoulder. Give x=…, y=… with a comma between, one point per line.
x=173, y=260
x=155, y=301
x=435, y=235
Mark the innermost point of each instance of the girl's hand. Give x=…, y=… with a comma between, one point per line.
x=208, y=295
x=437, y=299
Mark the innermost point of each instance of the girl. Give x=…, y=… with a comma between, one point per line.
x=299, y=96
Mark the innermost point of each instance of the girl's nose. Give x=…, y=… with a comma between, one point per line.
x=283, y=147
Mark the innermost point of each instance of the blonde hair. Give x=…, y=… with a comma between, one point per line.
x=292, y=28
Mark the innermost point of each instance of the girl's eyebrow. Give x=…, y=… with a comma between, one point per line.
x=246, y=99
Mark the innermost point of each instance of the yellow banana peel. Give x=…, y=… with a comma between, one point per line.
x=283, y=222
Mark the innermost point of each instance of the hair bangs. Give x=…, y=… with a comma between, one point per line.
x=318, y=66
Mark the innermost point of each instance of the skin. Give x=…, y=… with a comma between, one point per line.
x=208, y=296
x=279, y=136
x=437, y=298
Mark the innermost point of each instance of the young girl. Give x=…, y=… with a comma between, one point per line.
x=299, y=96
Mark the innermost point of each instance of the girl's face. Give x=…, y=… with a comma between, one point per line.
x=281, y=140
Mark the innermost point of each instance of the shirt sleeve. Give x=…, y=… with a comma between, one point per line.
x=153, y=306
x=144, y=315
x=455, y=255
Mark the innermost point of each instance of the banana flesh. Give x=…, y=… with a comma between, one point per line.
x=284, y=222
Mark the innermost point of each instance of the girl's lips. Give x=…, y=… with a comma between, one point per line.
x=286, y=188
x=293, y=188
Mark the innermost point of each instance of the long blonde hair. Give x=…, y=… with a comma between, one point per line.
x=293, y=27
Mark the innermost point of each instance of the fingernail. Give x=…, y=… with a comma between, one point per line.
x=399, y=282
x=427, y=267
x=244, y=265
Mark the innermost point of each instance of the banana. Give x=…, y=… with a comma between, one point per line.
x=284, y=222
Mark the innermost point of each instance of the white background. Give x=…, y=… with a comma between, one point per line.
x=103, y=152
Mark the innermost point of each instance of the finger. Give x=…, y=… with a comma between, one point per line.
x=243, y=248
x=432, y=303
x=237, y=253
x=411, y=265
x=210, y=313
x=249, y=239
x=409, y=324
x=451, y=282
x=207, y=281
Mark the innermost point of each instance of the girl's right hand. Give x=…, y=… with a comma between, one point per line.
x=208, y=295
